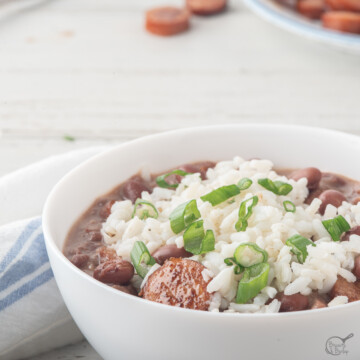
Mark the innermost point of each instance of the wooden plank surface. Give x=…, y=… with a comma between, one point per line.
x=88, y=69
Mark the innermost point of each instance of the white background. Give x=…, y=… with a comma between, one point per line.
x=88, y=69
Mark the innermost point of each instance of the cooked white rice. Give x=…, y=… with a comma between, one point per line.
x=269, y=227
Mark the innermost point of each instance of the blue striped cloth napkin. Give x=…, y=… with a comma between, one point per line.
x=33, y=316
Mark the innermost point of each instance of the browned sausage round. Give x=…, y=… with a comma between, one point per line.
x=345, y=21
x=313, y=176
x=356, y=269
x=114, y=272
x=206, y=7
x=350, y=5
x=353, y=231
x=296, y=302
x=168, y=251
x=167, y=21
x=133, y=188
x=178, y=282
x=312, y=9
x=332, y=197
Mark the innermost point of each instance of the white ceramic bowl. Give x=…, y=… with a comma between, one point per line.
x=121, y=326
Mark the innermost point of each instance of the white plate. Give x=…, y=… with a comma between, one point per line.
x=289, y=20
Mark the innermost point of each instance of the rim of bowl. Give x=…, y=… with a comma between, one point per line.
x=50, y=244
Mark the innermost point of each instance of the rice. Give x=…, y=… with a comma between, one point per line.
x=269, y=227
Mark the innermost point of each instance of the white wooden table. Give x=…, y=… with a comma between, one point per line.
x=86, y=68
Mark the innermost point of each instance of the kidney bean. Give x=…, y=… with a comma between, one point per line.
x=80, y=260
x=313, y=176
x=169, y=251
x=318, y=304
x=333, y=180
x=114, y=271
x=105, y=211
x=105, y=254
x=295, y=302
x=356, y=269
x=199, y=167
x=344, y=288
x=133, y=188
x=332, y=197
x=128, y=289
x=354, y=231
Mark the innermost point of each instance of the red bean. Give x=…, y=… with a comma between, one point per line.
x=80, y=260
x=128, y=289
x=312, y=175
x=356, y=269
x=105, y=211
x=114, y=271
x=133, y=188
x=354, y=231
x=295, y=302
x=318, y=304
x=332, y=197
x=169, y=251
x=199, y=167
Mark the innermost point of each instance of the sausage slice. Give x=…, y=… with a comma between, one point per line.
x=344, y=21
x=167, y=21
x=178, y=282
x=312, y=9
x=206, y=7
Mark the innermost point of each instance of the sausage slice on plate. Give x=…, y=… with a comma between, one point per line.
x=167, y=20
x=179, y=282
x=206, y=7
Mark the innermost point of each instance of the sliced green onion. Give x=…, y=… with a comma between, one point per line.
x=184, y=215
x=238, y=269
x=144, y=209
x=289, y=206
x=249, y=254
x=141, y=258
x=255, y=278
x=336, y=227
x=160, y=180
x=245, y=212
x=277, y=187
x=298, y=245
x=244, y=183
x=196, y=240
x=221, y=194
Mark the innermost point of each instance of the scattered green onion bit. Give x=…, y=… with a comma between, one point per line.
x=161, y=180
x=289, y=206
x=184, y=215
x=249, y=254
x=238, y=269
x=196, y=240
x=221, y=194
x=277, y=187
x=298, y=245
x=245, y=212
x=69, y=138
x=141, y=258
x=255, y=278
x=244, y=183
x=336, y=227
x=144, y=209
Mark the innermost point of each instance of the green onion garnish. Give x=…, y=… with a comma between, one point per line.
x=245, y=212
x=277, y=187
x=298, y=245
x=184, y=215
x=249, y=254
x=141, y=258
x=238, y=269
x=196, y=240
x=244, y=183
x=289, y=206
x=336, y=227
x=144, y=209
x=221, y=194
x=255, y=278
x=160, y=180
